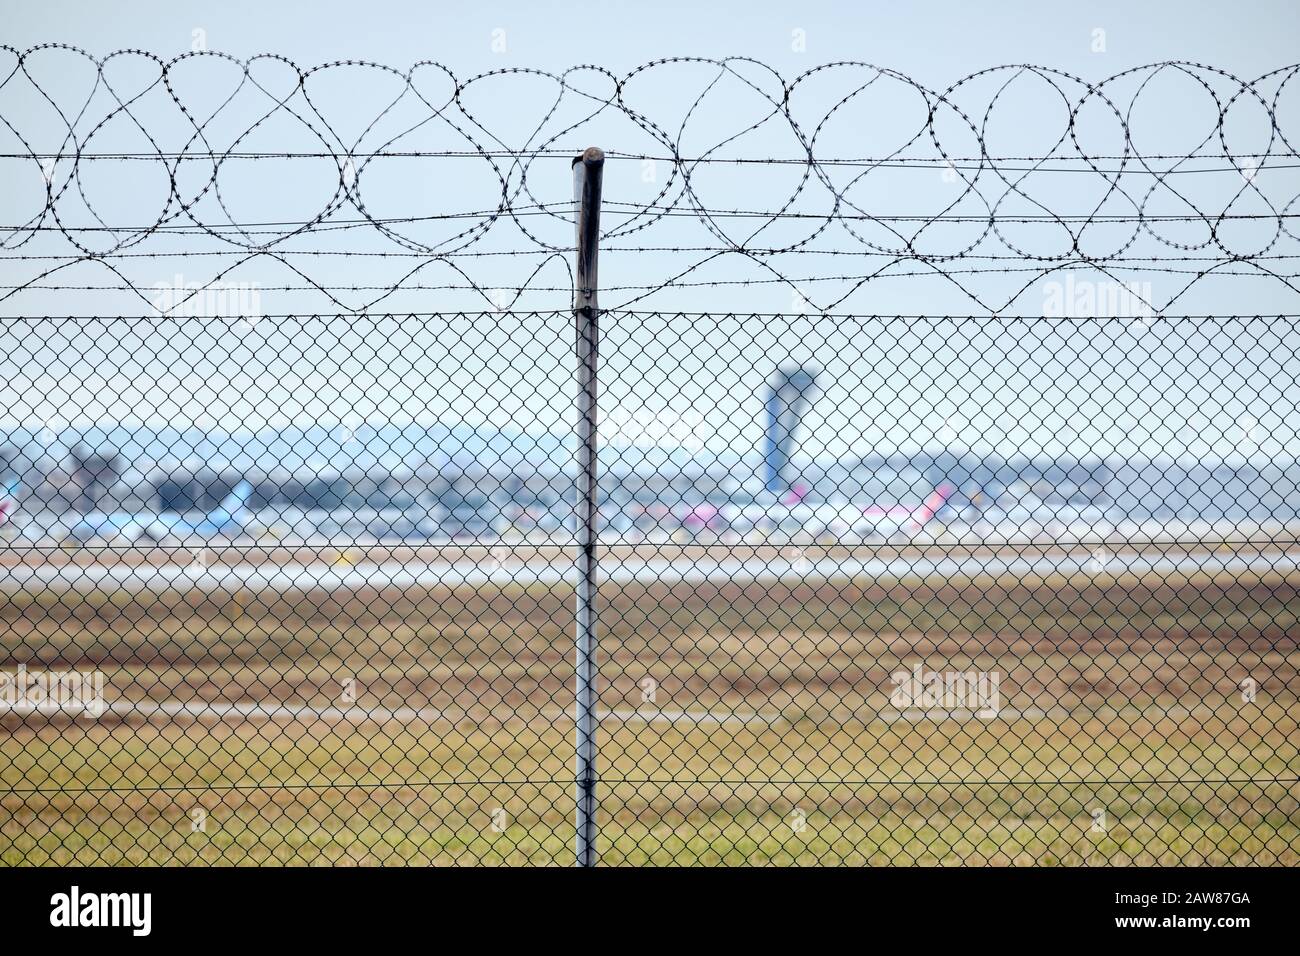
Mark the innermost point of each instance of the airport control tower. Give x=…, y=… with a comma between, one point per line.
x=790, y=393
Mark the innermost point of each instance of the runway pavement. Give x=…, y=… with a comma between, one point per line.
x=626, y=570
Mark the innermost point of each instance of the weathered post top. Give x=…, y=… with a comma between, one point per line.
x=588, y=172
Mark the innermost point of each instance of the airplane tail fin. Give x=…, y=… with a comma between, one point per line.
x=235, y=506
x=8, y=501
x=796, y=494
x=934, y=503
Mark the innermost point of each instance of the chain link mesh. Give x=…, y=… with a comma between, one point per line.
x=874, y=589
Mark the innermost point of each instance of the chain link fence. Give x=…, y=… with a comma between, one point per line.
x=872, y=589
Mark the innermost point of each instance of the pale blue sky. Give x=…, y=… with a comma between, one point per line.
x=940, y=38
x=936, y=43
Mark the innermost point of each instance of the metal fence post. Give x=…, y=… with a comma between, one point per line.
x=588, y=170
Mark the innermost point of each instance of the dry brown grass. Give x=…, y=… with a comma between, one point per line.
x=1119, y=693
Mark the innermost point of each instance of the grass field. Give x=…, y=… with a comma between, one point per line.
x=747, y=723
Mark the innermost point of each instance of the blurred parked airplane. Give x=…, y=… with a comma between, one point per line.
x=791, y=514
x=889, y=521
x=227, y=519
